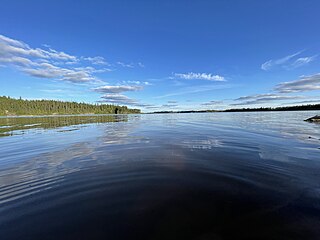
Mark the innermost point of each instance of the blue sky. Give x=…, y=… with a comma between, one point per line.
x=162, y=55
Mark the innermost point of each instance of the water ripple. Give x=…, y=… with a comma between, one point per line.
x=175, y=176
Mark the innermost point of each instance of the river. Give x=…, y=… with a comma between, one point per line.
x=160, y=176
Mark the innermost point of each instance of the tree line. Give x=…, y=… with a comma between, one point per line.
x=289, y=108
x=308, y=107
x=11, y=106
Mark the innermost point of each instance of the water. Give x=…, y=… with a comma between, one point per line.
x=166, y=176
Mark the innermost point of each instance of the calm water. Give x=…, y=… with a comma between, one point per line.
x=170, y=176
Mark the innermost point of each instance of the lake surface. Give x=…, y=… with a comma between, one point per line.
x=166, y=176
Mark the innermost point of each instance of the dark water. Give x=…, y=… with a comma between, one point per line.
x=171, y=176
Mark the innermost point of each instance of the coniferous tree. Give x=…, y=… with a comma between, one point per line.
x=11, y=106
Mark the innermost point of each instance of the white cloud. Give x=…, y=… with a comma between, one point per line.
x=118, y=99
x=52, y=64
x=131, y=65
x=273, y=63
x=137, y=83
x=256, y=96
x=92, y=70
x=12, y=42
x=49, y=63
x=304, y=84
x=170, y=105
x=46, y=45
x=141, y=64
x=211, y=103
x=303, y=61
x=264, y=98
x=132, y=82
x=288, y=62
x=47, y=70
x=144, y=105
x=59, y=55
x=7, y=50
x=128, y=65
x=152, y=107
x=200, y=76
x=10, y=47
x=53, y=90
x=283, y=91
x=117, y=89
x=96, y=60
x=15, y=60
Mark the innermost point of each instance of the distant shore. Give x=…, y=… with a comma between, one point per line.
x=11, y=107
x=313, y=107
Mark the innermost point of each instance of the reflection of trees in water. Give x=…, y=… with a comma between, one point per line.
x=9, y=125
x=46, y=169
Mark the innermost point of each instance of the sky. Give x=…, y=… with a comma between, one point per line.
x=162, y=55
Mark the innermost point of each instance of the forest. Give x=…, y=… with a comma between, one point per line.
x=12, y=107
x=288, y=108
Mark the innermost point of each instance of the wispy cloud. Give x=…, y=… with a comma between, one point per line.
x=137, y=82
x=169, y=105
x=278, y=62
x=96, y=60
x=152, y=107
x=145, y=105
x=263, y=98
x=211, y=103
x=48, y=63
x=47, y=70
x=53, y=90
x=288, y=62
x=141, y=64
x=116, y=89
x=127, y=65
x=11, y=47
x=303, y=61
x=283, y=91
x=256, y=96
x=46, y=45
x=196, y=89
x=199, y=76
x=112, y=94
x=304, y=84
x=118, y=99
x=131, y=65
x=313, y=101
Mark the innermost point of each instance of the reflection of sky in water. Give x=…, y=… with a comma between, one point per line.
x=49, y=150
x=202, y=144
x=245, y=168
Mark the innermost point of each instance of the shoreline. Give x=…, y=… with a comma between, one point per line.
x=164, y=112
x=66, y=115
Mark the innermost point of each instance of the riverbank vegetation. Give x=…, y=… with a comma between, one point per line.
x=308, y=107
x=12, y=107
